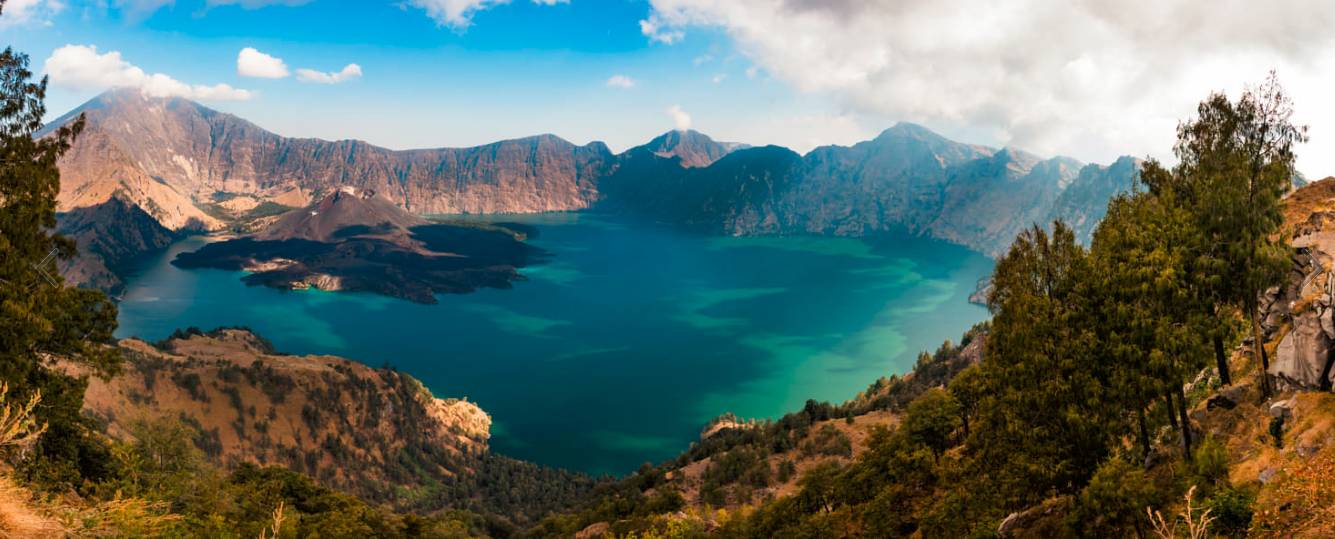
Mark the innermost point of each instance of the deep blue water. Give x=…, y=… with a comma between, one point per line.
x=619, y=349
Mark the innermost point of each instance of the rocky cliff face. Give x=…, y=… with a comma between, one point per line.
x=349, y=425
x=907, y=179
x=173, y=156
x=691, y=147
x=1085, y=201
x=173, y=152
x=108, y=235
x=1302, y=313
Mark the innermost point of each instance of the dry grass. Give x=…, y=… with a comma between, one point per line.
x=18, y=517
x=1316, y=197
x=1301, y=501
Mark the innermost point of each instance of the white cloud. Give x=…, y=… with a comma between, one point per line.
x=620, y=81
x=458, y=14
x=1092, y=78
x=663, y=32
x=680, y=120
x=253, y=63
x=25, y=12
x=719, y=77
x=349, y=72
x=81, y=67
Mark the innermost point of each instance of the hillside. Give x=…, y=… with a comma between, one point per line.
x=192, y=167
x=176, y=153
x=693, y=148
x=908, y=179
x=108, y=235
x=375, y=433
x=335, y=419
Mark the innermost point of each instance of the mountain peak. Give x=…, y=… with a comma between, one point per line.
x=344, y=207
x=695, y=149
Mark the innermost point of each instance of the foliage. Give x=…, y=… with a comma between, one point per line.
x=39, y=316
x=931, y=420
x=1113, y=503
x=1232, y=511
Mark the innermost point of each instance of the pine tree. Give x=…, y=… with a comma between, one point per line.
x=1236, y=161
x=1047, y=417
x=1151, y=315
x=40, y=318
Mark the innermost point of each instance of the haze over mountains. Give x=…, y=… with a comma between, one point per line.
x=174, y=158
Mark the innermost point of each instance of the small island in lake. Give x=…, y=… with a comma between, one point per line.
x=357, y=241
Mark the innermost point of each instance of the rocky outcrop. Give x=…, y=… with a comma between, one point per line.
x=349, y=425
x=1302, y=311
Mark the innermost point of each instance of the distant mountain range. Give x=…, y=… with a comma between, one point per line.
x=176, y=159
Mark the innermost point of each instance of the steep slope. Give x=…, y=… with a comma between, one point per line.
x=344, y=208
x=1085, y=201
x=194, y=152
x=907, y=179
x=693, y=148
x=375, y=433
x=335, y=419
x=987, y=201
x=173, y=156
x=896, y=180
x=108, y=235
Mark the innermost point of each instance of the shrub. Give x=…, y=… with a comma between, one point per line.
x=1114, y=502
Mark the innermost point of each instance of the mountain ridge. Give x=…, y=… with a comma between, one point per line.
x=171, y=156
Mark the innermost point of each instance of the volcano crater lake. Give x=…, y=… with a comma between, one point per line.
x=620, y=347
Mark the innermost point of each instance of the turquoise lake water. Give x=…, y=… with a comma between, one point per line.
x=621, y=347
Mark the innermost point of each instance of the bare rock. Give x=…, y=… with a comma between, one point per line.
x=1300, y=359
x=1282, y=409
x=1044, y=520
x=593, y=531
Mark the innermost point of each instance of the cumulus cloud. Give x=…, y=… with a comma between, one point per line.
x=349, y=72
x=680, y=120
x=25, y=12
x=458, y=14
x=620, y=81
x=1094, y=78
x=253, y=63
x=82, y=67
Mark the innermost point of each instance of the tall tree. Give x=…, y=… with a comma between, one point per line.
x=1151, y=315
x=1046, y=419
x=1236, y=161
x=40, y=318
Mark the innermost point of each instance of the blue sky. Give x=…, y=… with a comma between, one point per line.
x=1089, y=79
x=517, y=69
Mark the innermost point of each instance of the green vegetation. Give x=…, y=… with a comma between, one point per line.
x=39, y=316
x=1085, y=365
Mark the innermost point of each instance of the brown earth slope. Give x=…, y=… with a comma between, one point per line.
x=351, y=426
